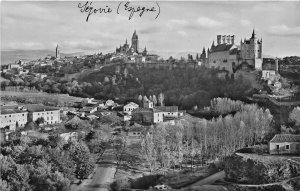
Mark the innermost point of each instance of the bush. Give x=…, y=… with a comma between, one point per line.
x=145, y=182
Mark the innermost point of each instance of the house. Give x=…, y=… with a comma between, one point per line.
x=109, y=103
x=136, y=133
x=168, y=111
x=268, y=74
x=147, y=115
x=285, y=144
x=154, y=114
x=88, y=109
x=66, y=110
x=128, y=108
x=51, y=115
x=13, y=118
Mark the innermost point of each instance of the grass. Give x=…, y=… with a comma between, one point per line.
x=41, y=96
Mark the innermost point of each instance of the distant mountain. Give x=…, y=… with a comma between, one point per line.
x=14, y=55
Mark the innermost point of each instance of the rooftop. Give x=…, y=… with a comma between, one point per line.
x=167, y=108
x=280, y=138
x=39, y=108
x=11, y=111
x=221, y=47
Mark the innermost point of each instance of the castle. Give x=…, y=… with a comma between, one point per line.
x=125, y=49
x=229, y=56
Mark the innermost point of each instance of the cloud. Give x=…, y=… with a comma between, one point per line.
x=82, y=45
x=224, y=15
x=245, y=23
x=174, y=23
x=283, y=30
x=24, y=45
x=182, y=33
x=208, y=22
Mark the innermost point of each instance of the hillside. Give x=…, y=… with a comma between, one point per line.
x=183, y=87
x=260, y=169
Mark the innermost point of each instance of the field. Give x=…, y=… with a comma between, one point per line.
x=40, y=97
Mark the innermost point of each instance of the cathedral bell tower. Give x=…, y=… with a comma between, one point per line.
x=135, y=42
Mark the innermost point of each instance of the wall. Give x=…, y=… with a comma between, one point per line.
x=50, y=117
x=158, y=117
x=294, y=148
x=12, y=119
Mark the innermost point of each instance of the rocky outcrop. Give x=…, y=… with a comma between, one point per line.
x=259, y=169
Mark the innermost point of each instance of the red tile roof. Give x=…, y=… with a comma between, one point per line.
x=280, y=138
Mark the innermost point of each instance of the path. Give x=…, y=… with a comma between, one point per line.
x=210, y=179
x=101, y=180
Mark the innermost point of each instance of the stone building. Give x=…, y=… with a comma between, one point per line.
x=126, y=49
x=285, y=144
x=51, y=115
x=229, y=56
x=12, y=118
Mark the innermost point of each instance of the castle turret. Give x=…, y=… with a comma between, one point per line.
x=212, y=45
x=253, y=34
x=203, y=54
x=218, y=39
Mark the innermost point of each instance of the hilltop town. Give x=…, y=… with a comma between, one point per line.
x=145, y=122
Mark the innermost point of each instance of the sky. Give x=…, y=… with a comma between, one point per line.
x=180, y=26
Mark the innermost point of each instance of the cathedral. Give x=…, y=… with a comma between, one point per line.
x=229, y=56
x=126, y=49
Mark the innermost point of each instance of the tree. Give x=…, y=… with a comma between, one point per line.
x=149, y=151
x=15, y=175
x=154, y=100
x=125, y=72
x=145, y=98
x=161, y=98
x=120, y=145
x=82, y=158
x=140, y=98
x=40, y=120
x=294, y=118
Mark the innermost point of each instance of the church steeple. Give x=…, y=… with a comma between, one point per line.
x=253, y=34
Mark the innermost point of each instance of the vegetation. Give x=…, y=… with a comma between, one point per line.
x=197, y=142
x=294, y=119
x=43, y=164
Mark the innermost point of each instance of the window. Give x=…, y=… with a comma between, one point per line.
x=277, y=147
x=287, y=147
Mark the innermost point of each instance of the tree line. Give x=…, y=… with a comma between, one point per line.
x=200, y=141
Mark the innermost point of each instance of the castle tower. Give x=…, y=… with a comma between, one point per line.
x=57, y=52
x=203, y=54
x=135, y=42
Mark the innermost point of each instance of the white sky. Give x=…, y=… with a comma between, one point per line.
x=181, y=26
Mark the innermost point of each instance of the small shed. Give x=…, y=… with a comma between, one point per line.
x=285, y=144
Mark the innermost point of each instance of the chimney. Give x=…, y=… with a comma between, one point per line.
x=218, y=39
x=232, y=39
x=223, y=39
x=228, y=39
